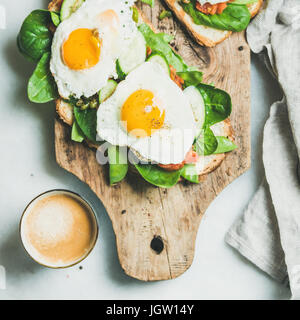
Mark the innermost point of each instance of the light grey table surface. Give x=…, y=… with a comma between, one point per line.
x=28, y=168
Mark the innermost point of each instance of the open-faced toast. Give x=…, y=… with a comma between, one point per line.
x=205, y=35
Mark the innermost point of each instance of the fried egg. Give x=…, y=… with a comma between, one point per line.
x=149, y=113
x=87, y=44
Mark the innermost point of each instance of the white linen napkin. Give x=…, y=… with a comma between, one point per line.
x=268, y=234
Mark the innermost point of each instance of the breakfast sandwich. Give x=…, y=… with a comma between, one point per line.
x=212, y=21
x=125, y=91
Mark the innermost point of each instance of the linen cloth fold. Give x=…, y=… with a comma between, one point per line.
x=268, y=234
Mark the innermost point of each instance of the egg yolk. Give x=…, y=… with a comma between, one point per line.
x=82, y=49
x=141, y=115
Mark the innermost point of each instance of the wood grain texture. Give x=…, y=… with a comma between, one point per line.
x=140, y=212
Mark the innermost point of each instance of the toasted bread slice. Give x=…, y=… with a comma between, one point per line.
x=65, y=111
x=206, y=164
x=204, y=35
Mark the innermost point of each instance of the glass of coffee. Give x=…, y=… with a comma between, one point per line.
x=58, y=229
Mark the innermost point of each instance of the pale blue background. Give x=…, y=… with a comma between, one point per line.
x=28, y=168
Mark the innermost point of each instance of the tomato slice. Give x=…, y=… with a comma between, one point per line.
x=211, y=9
x=191, y=157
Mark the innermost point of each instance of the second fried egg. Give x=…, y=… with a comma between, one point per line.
x=149, y=113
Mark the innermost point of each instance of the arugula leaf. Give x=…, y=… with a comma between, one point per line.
x=41, y=86
x=234, y=17
x=191, y=78
x=150, y=2
x=158, y=176
x=218, y=104
x=189, y=173
x=118, y=164
x=206, y=143
x=224, y=145
x=157, y=42
x=77, y=134
x=87, y=121
x=34, y=38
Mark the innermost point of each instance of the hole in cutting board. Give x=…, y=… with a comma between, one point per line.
x=157, y=244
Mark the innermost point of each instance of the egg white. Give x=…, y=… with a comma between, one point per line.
x=166, y=145
x=89, y=81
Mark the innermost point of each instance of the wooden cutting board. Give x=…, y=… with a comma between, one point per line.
x=156, y=228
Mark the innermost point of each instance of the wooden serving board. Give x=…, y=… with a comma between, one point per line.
x=156, y=228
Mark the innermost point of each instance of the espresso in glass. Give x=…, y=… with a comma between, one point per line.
x=58, y=229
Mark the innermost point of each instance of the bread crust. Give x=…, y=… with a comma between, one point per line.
x=65, y=110
x=191, y=27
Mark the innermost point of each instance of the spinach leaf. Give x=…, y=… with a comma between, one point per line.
x=234, y=17
x=159, y=42
x=224, y=145
x=218, y=104
x=41, y=86
x=118, y=164
x=206, y=143
x=189, y=173
x=191, y=78
x=158, y=176
x=77, y=134
x=87, y=121
x=34, y=38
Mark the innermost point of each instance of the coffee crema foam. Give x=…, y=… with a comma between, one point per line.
x=58, y=230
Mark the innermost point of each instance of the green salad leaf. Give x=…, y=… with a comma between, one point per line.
x=235, y=17
x=158, y=176
x=87, y=121
x=41, y=86
x=34, y=38
x=158, y=43
x=118, y=164
x=224, y=145
x=206, y=143
x=191, y=78
x=218, y=104
x=189, y=173
x=77, y=134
